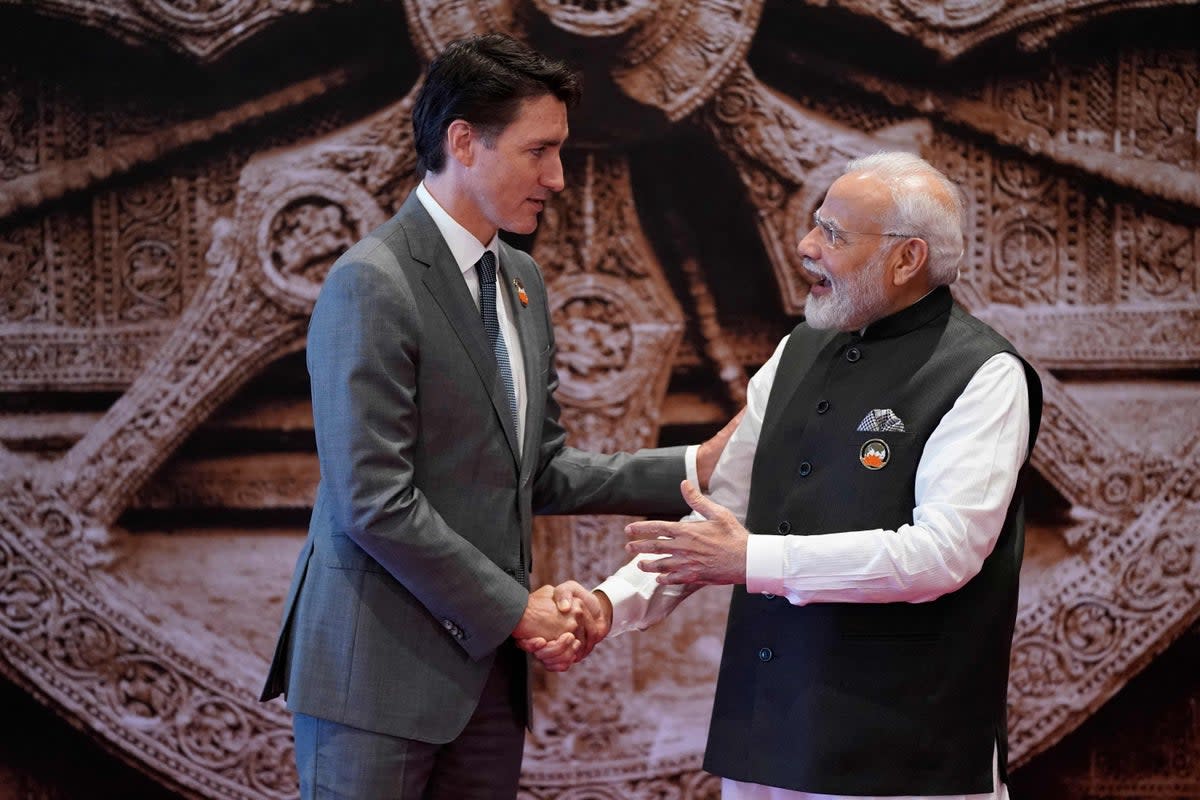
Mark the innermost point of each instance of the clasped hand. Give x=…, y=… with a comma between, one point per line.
x=562, y=624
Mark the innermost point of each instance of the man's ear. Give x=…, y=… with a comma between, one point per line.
x=460, y=142
x=909, y=261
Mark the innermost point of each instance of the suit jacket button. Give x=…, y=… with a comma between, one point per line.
x=784, y=526
x=822, y=406
x=805, y=469
x=447, y=624
x=853, y=354
x=765, y=654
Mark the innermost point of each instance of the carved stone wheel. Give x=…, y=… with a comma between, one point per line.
x=1081, y=177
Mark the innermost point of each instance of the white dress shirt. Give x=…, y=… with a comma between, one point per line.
x=467, y=250
x=964, y=482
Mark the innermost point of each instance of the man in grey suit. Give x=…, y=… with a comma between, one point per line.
x=431, y=355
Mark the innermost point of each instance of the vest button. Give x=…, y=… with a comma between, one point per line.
x=784, y=526
x=853, y=354
x=805, y=469
x=765, y=654
x=822, y=406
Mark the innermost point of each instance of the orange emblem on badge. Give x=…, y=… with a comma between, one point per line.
x=524, y=298
x=874, y=454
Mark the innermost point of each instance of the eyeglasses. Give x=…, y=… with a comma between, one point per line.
x=836, y=237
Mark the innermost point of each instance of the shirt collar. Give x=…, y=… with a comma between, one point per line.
x=463, y=245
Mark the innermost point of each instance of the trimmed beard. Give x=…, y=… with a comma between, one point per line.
x=854, y=302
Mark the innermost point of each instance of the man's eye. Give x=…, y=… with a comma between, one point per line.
x=537, y=151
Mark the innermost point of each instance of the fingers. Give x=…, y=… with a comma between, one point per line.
x=531, y=645
x=565, y=645
x=560, y=654
x=654, y=529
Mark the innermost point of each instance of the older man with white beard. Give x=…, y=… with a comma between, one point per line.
x=866, y=511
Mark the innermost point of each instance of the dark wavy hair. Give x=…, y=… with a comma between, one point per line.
x=483, y=79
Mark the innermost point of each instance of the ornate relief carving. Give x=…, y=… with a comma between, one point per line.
x=786, y=157
x=1159, y=260
x=204, y=29
x=18, y=130
x=685, y=51
x=1157, y=94
x=306, y=220
x=957, y=26
x=116, y=294
x=1083, y=148
x=598, y=19
x=24, y=284
x=434, y=25
x=180, y=717
x=1117, y=339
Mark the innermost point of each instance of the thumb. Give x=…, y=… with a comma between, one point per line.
x=699, y=503
x=563, y=598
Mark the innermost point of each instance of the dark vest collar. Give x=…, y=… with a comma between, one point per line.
x=933, y=305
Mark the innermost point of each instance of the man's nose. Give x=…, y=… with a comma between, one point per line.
x=809, y=246
x=552, y=177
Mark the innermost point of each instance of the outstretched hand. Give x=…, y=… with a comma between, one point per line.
x=709, y=551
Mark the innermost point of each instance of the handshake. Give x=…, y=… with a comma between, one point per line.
x=562, y=624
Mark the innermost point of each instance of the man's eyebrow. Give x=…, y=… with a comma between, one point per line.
x=830, y=221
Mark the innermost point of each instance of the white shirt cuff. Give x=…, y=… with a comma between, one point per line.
x=628, y=604
x=689, y=463
x=764, y=564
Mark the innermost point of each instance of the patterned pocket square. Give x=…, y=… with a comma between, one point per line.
x=881, y=419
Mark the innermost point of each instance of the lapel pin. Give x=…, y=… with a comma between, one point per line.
x=874, y=454
x=524, y=298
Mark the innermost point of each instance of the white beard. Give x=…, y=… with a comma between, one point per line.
x=853, y=302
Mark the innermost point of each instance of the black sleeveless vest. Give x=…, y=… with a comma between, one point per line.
x=868, y=698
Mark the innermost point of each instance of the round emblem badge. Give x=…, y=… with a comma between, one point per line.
x=874, y=454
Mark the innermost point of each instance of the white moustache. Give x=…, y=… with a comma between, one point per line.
x=811, y=266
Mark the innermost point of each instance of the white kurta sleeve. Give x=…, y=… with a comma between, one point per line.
x=964, y=483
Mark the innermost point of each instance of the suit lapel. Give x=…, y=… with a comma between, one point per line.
x=445, y=283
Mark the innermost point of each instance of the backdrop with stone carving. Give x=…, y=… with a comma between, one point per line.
x=176, y=176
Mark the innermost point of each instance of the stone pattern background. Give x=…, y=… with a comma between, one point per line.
x=176, y=177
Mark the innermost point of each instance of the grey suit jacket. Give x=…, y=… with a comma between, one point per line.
x=416, y=562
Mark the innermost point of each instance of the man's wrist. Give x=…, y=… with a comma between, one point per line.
x=606, y=607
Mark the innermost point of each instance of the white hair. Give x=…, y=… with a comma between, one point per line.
x=925, y=204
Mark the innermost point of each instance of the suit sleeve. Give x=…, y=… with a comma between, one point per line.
x=572, y=481
x=363, y=352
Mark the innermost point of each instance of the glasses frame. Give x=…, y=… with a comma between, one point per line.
x=835, y=236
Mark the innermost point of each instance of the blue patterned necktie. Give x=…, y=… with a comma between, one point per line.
x=486, y=268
